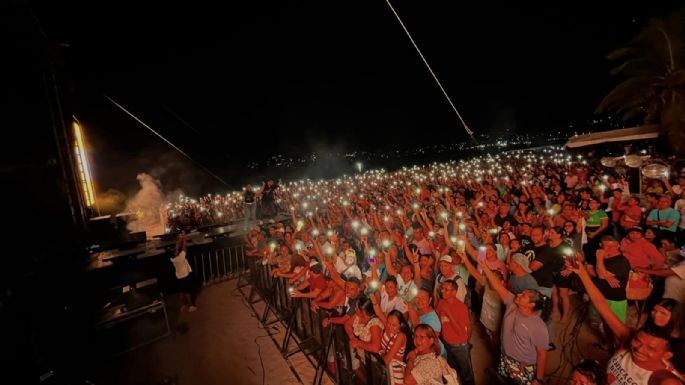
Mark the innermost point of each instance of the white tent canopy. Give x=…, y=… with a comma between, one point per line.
x=621, y=135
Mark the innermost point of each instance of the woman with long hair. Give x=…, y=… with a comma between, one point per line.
x=365, y=331
x=393, y=344
x=572, y=236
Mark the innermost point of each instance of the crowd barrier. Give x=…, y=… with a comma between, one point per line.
x=327, y=348
x=218, y=264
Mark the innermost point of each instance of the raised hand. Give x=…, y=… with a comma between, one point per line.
x=413, y=257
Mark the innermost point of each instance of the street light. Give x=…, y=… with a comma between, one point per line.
x=359, y=166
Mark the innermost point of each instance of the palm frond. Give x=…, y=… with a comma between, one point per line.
x=632, y=113
x=637, y=66
x=630, y=89
x=653, y=64
x=621, y=52
x=675, y=79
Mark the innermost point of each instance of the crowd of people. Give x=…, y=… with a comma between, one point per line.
x=186, y=214
x=401, y=260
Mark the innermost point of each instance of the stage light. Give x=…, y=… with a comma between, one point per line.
x=83, y=166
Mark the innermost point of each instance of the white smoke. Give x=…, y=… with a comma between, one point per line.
x=147, y=205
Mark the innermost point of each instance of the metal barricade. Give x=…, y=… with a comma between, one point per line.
x=329, y=348
x=220, y=264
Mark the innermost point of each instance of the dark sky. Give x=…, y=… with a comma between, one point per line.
x=259, y=78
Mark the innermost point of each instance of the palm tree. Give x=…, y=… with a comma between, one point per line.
x=654, y=65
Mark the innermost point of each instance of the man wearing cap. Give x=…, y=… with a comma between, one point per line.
x=640, y=252
x=446, y=272
x=520, y=278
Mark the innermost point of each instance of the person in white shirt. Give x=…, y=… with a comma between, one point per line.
x=183, y=270
x=676, y=190
x=680, y=206
x=346, y=262
x=446, y=272
x=675, y=280
x=389, y=300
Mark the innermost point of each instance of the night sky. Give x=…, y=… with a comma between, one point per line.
x=292, y=77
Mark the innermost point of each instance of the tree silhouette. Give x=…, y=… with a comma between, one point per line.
x=654, y=88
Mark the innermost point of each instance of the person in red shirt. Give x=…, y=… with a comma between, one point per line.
x=456, y=331
x=425, y=194
x=631, y=213
x=617, y=195
x=640, y=252
x=315, y=282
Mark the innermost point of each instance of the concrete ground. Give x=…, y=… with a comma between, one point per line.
x=223, y=343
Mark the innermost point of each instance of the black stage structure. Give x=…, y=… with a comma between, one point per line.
x=66, y=307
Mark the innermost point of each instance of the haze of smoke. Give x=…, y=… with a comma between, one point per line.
x=111, y=201
x=176, y=172
x=146, y=204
